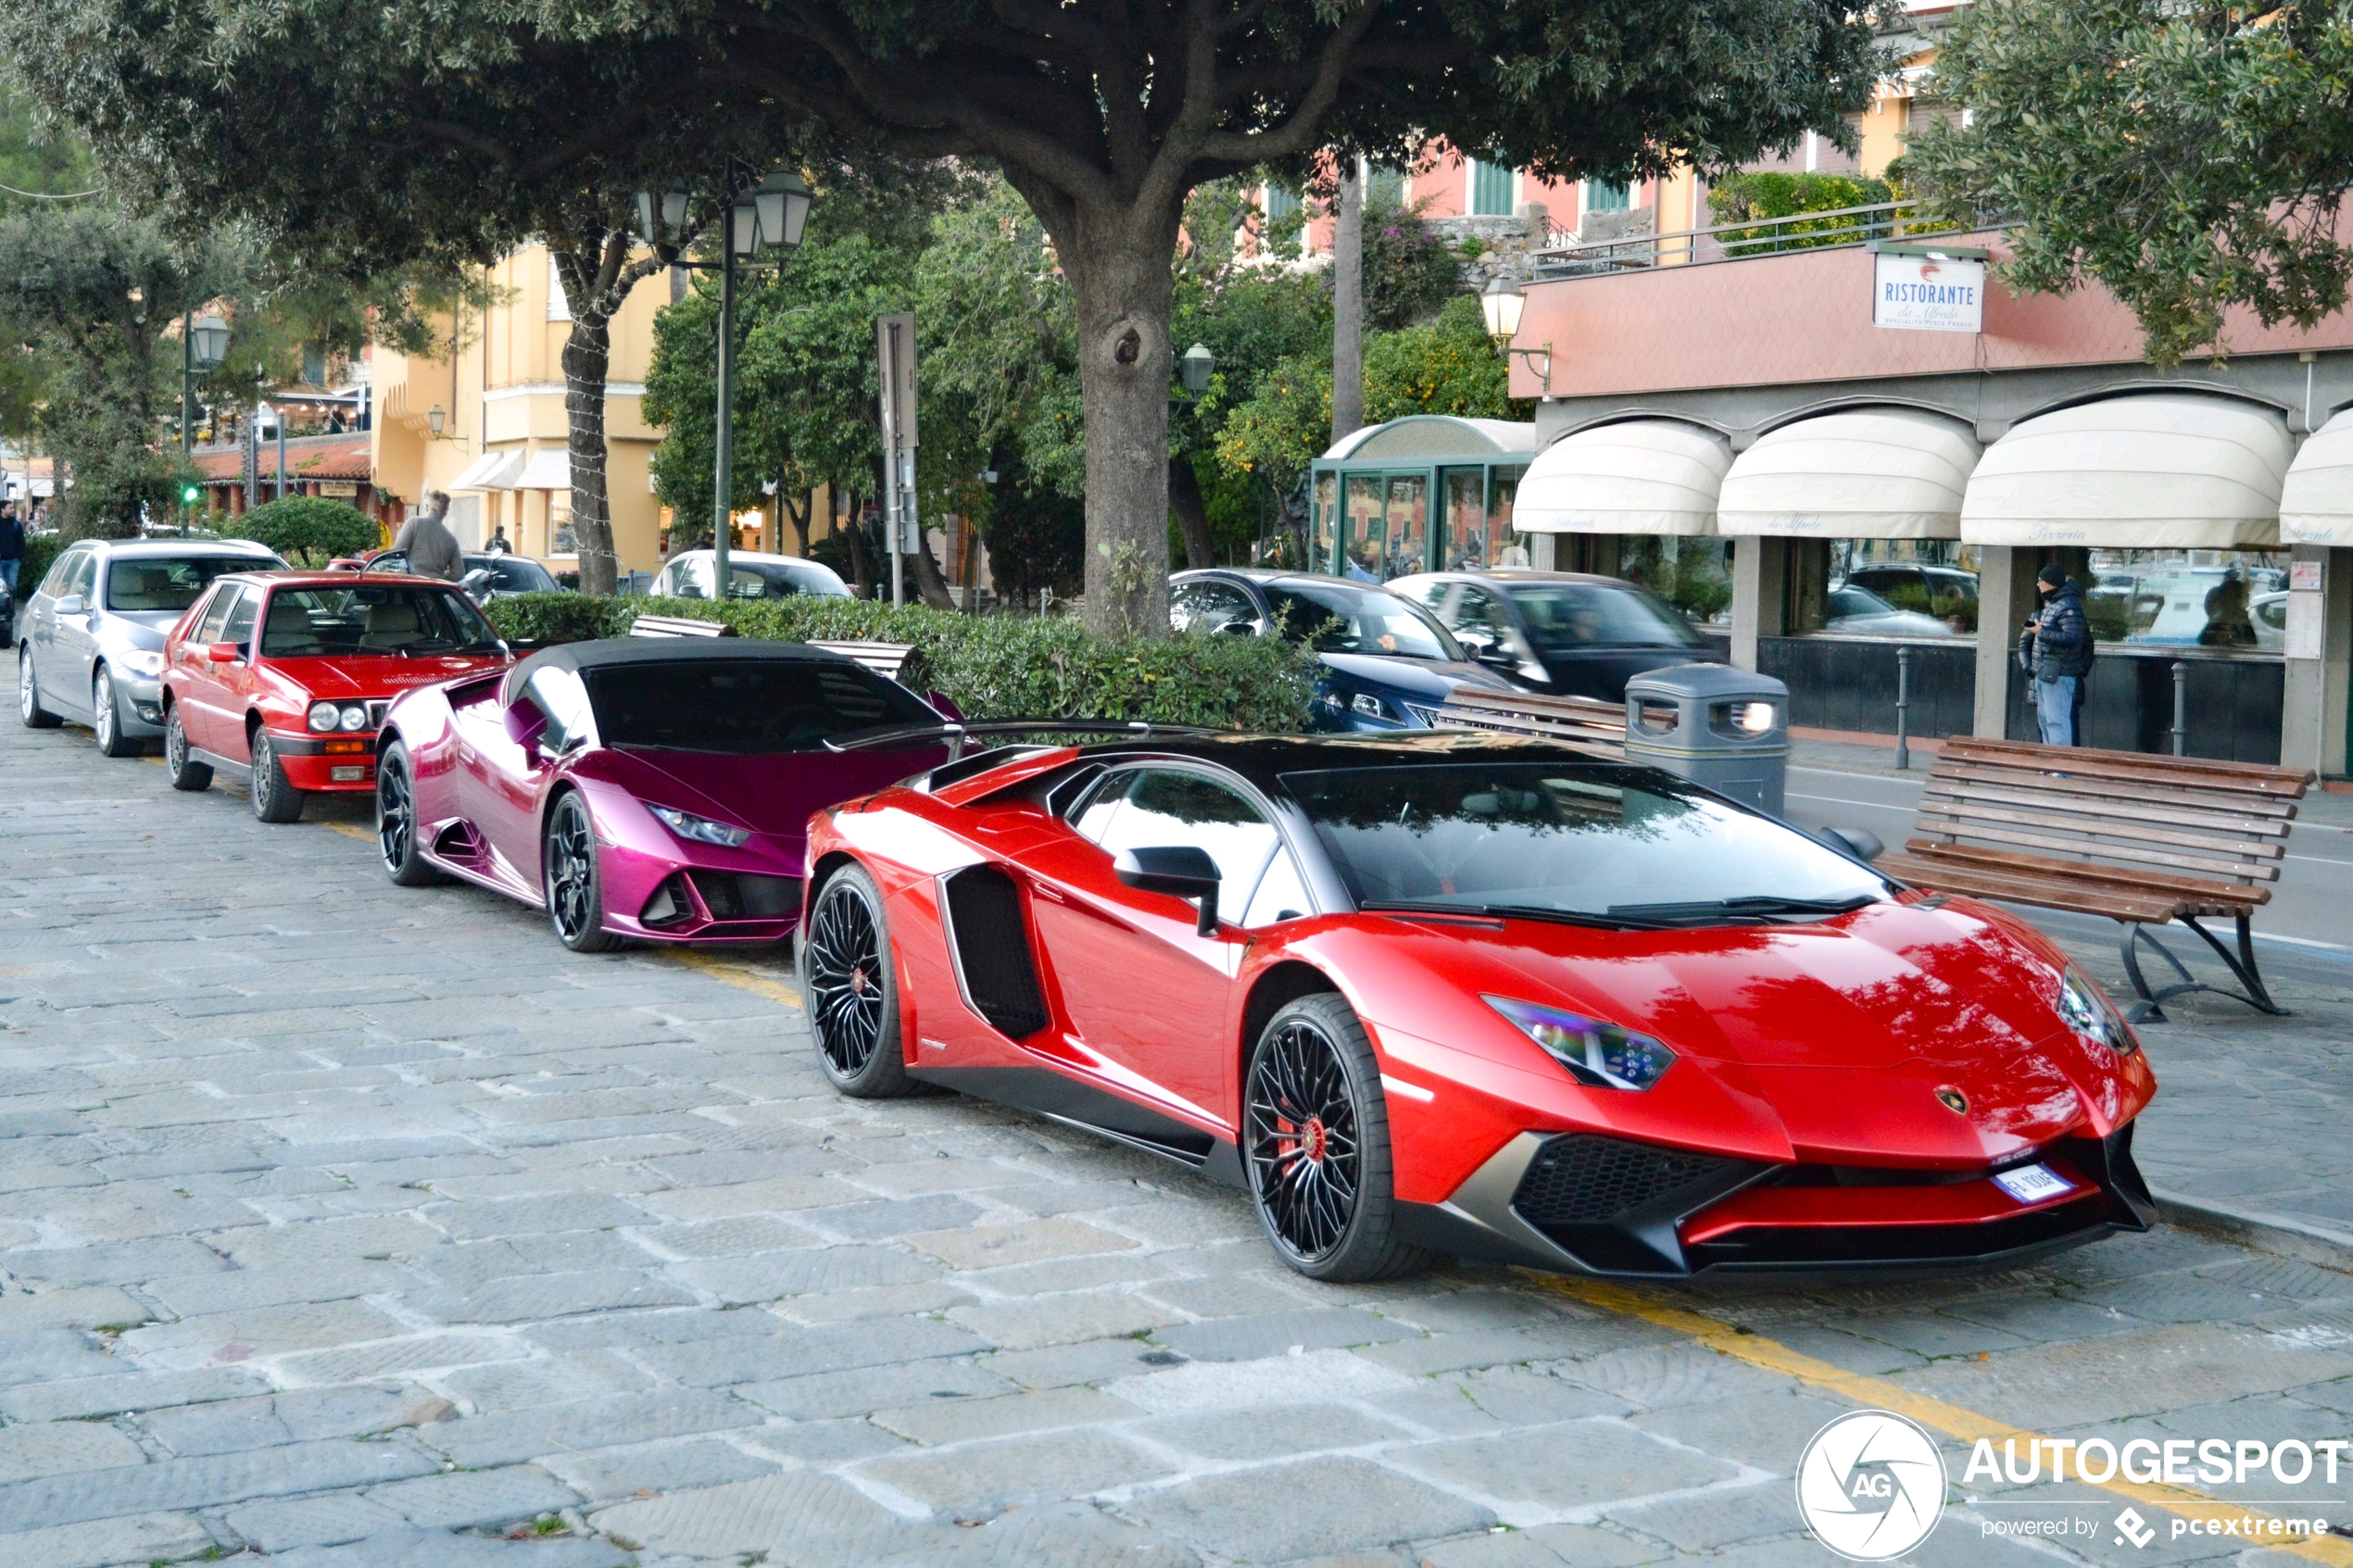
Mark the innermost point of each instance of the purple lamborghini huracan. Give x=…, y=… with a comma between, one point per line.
x=655, y=789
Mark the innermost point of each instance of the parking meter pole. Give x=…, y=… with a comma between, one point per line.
x=1902, y=707
x=722, y=493
x=187, y=385
x=2181, y=708
x=280, y=494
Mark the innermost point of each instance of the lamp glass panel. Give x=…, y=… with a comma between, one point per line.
x=770, y=206
x=796, y=218
x=745, y=228
x=674, y=208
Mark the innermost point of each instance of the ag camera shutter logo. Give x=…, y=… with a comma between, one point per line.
x=1870, y=1485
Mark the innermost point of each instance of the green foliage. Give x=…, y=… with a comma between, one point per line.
x=39, y=554
x=1742, y=198
x=307, y=530
x=2189, y=158
x=994, y=667
x=1448, y=367
x=1409, y=271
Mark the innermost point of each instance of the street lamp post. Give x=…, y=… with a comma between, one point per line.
x=771, y=217
x=204, y=343
x=1502, y=304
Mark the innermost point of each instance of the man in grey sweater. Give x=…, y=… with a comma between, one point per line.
x=431, y=547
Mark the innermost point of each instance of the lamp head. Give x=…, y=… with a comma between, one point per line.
x=208, y=343
x=1502, y=304
x=781, y=205
x=1195, y=369
x=436, y=418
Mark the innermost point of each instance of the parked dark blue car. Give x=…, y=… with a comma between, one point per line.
x=1388, y=664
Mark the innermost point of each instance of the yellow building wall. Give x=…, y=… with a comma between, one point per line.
x=504, y=393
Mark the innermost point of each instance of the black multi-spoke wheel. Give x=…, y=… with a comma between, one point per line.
x=847, y=986
x=184, y=771
x=1315, y=1140
x=28, y=707
x=576, y=893
x=396, y=820
x=105, y=718
x=275, y=799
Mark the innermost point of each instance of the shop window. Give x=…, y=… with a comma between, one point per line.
x=1405, y=524
x=1920, y=590
x=2231, y=600
x=1360, y=548
x=561, y=540
x=1491, y=188
x=1324, y=522
x=1694, y=575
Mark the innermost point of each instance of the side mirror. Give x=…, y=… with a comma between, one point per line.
x=1861, y=842
x=547, y=753
x=222, y=653
x=944, y=705
x=1180, y=871
x=72, y=604
x=1495, y=654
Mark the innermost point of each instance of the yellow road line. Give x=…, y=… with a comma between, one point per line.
x=1967, y=1424
x=351, y=830
x=742, y=976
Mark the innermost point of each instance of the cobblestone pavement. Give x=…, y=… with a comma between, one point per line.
x=358, y=1225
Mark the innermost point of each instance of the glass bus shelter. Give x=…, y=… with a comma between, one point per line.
x=1427, y=493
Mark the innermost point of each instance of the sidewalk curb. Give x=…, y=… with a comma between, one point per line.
x=2267, y=1233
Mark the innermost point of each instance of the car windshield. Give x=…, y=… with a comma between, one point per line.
x=1606, y=841
x=169, y=583
x=744, y=708
x=1369, y=620
x=767, y=579
x=514, y=574
x=395, y=620
x=1571, y=615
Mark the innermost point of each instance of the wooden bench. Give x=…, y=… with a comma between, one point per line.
x=678, y=626
x=1580, y=720
x=2140, y=838
x=884, y=658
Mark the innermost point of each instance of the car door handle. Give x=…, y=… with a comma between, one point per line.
x=1051, y=894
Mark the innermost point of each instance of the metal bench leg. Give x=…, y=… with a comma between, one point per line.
x=2242, y=965
x=2150, y=1009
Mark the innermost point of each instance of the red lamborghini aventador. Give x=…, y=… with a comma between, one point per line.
x=1476, y=996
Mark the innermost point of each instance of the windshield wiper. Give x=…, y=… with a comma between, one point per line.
x=1611, y=919
x=1764, y=907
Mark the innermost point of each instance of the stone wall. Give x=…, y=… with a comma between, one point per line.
x=1507, y=245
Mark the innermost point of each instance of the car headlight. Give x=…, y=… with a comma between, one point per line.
x=1599, y=1055
x=140, y=662
x=329, y=716
x=2085, y=1008
x=702, y=830
x=1368, y=705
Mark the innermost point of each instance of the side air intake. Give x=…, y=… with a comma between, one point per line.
x=989, y=941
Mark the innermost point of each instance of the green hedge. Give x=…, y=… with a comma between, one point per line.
x=311, y=527
x=990, y=667
x=39, y=554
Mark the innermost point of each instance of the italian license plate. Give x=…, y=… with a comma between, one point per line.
x=346, y=775
x=2033, y=1183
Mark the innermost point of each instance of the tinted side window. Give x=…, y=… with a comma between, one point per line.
x=66, y=565
x=239, y=629
x=208, y=628
x=1204, y=607
x=1165, y=806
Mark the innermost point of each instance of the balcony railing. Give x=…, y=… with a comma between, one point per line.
x=1734, y=242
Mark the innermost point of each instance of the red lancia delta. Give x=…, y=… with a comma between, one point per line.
x=284, y=676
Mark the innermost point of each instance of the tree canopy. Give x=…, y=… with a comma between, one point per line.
x=2188, y=157
x=423, y=126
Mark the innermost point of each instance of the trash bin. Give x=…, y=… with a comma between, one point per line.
x=1715, y=725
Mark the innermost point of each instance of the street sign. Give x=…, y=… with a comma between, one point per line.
x=1928, y=292
x=895, y=348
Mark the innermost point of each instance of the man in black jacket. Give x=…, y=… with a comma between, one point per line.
x=2057, y=645
x=11, y=547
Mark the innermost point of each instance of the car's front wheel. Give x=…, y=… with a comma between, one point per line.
x=106, y=715
x=1316, y=1142
x=850, y=990
x=275, y=799
x=28, y=707
x=183, y=771
x=396, y=820
x=575, y=891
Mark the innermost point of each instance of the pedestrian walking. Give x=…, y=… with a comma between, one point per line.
x=2057, y=648
x=431, y=549
x=11, y=547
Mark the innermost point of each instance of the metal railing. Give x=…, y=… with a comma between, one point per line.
x=1733, y=242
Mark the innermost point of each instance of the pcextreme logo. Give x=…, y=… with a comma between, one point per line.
x=1870, y=1485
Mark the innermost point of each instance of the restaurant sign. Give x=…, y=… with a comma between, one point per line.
x=1931, y=292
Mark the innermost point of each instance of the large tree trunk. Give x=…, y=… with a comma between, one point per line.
x=798, y=516
x=930, y=582
x=1348, y=303
x=862, y=565
x=1117, y=260
x=1192, y=512
x=588, y=353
